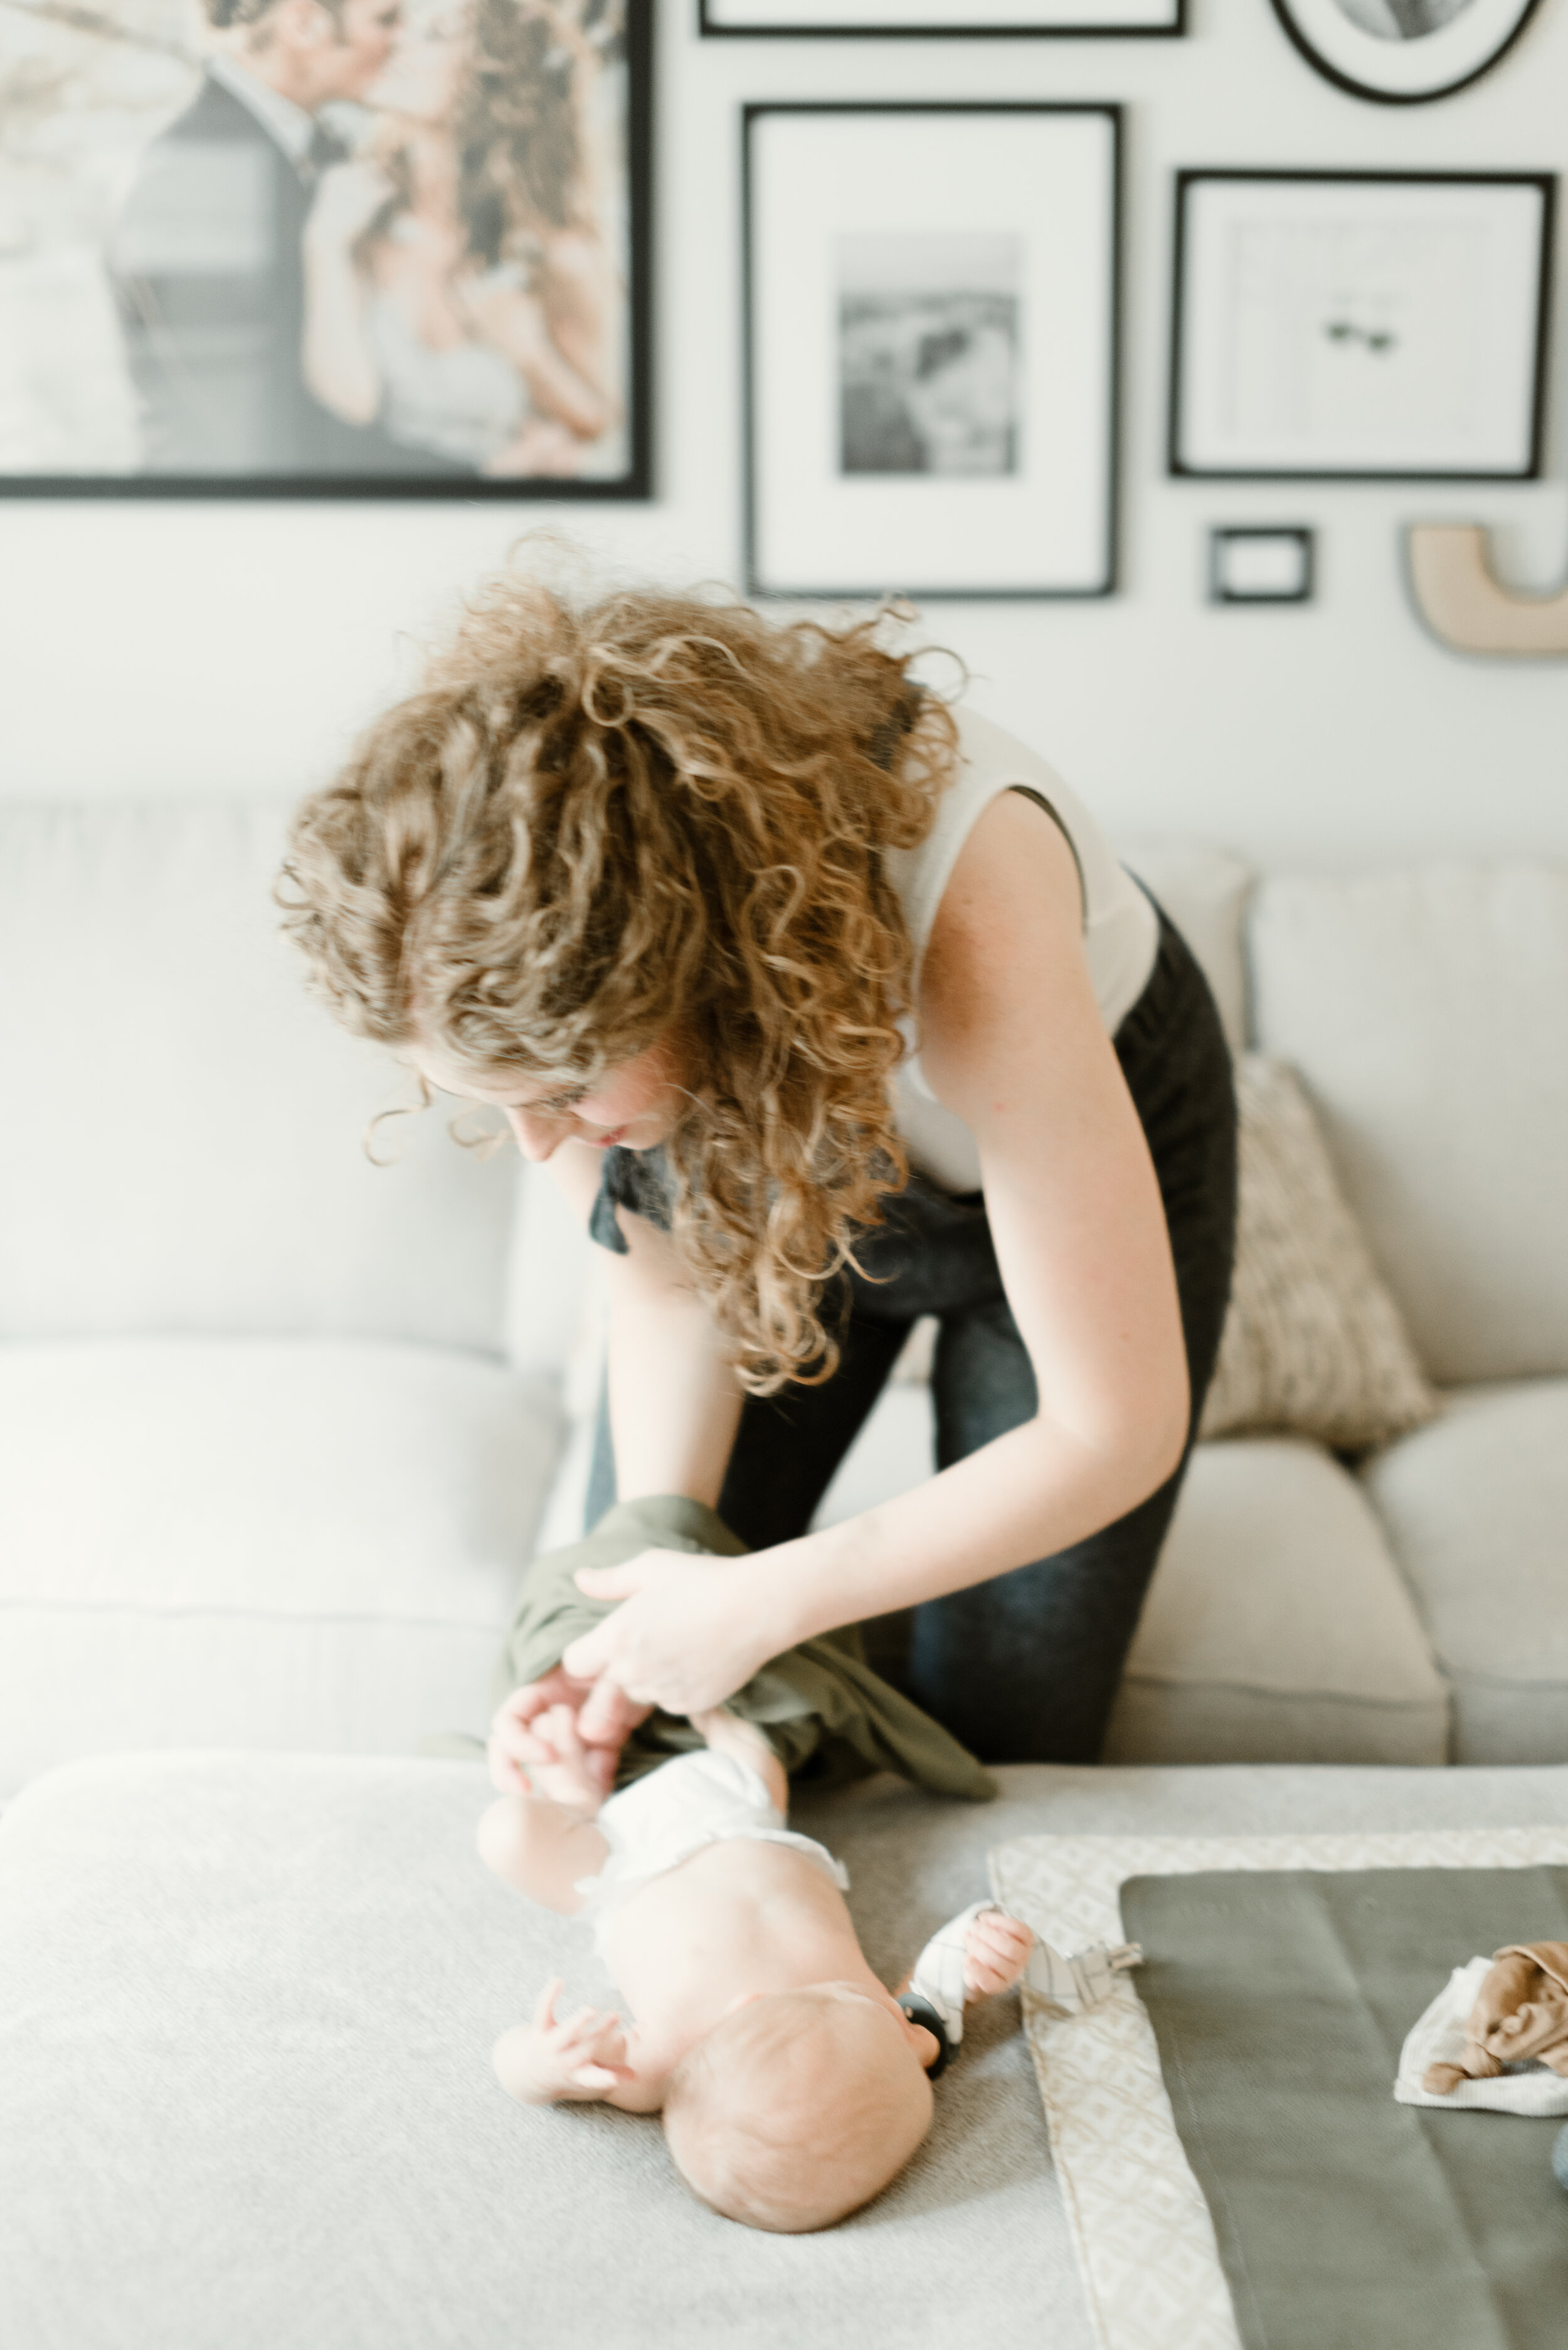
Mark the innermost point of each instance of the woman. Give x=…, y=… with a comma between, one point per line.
x=736, y=924
x=457, y=290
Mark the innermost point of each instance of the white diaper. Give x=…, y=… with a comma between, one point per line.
x=696, y=1799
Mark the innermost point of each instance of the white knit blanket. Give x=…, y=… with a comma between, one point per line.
x=1141, y=2225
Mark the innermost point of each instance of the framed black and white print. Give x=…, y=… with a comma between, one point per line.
x=939, y=19
x=1401, y=52
x=932, y=349
x=1360, y=326
x=372, y=248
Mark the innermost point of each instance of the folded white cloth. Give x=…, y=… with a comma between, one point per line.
x=1437, y=2037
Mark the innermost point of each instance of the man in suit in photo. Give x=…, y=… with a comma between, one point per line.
x=207, y=257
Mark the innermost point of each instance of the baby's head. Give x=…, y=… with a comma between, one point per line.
x=798, y=2106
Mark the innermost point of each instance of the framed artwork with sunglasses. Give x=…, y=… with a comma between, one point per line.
x=1372, y=326
x=371, y=248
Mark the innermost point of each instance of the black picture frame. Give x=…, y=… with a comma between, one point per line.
x=1191, y=434
x=409, y=476
x=1398, y=68
x=1223, y=589
x=1090, y=559
x=1083, y=26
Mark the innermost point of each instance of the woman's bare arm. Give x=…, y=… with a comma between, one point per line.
x=674, y=1402
x=339, y=363
x=1013, y=1040
x=517, y=324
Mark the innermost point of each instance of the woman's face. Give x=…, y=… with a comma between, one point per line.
x=636, y=1105
x=422, y=78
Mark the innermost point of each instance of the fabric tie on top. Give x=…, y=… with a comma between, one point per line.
x=1070, y=1986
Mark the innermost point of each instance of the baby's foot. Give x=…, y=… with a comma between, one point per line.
x=563, y=1769
x=996, y=1953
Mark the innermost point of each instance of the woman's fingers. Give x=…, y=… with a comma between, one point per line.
x=612, y=1582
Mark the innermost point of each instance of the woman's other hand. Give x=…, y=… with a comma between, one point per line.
x=514, y=1743
x=686, y=1637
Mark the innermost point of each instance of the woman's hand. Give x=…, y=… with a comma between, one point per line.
x=688, y=1635
x=348, y=196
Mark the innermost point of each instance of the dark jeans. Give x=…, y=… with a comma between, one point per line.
x=1023, y=1667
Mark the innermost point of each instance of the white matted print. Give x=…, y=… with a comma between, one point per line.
x=1382, y=325
x=961, y=17
x=932, y=345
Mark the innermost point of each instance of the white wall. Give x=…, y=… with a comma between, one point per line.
x=226, y=648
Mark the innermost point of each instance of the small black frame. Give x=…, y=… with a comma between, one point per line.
x=1224, y=535
x=710, y=30
x=634, y=482
x=930, y=590
x=1181, y=465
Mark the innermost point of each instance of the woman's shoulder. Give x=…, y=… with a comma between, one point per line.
x=1119, y=926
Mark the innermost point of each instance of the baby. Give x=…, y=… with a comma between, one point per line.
x=792, y=2084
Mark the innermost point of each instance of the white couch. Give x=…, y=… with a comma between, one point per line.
x=278, y=1429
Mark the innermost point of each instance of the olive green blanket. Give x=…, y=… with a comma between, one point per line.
x=1345, y=2221
x=827, y=1713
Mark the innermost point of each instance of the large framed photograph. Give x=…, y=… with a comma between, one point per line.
x=932, y=349
x=1360, y=326
x=325, y=247
x=946, y=19
x=1402, y=52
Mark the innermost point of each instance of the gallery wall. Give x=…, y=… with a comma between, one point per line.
x=210, y=647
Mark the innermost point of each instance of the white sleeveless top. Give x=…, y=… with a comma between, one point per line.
x=1121, y=929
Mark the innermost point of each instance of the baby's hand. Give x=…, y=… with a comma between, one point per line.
x=565, y=1770
x=580, y=2058
x=995, y=1953
x=514, y=1747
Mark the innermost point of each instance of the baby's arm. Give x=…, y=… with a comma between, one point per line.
x=582, y=2059
x=996, y=1953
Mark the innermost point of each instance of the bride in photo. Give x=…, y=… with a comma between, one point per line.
x=458, y=288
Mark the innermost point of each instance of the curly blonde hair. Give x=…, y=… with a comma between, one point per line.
x=602, y=824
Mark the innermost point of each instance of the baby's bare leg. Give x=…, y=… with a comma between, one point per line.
x=543, y=1840
x=543, y=1848
x=726, y=1733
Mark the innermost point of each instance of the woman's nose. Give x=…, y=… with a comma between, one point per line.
x=537, y=1137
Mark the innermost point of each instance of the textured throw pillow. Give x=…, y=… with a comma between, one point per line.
x=1313, y=1342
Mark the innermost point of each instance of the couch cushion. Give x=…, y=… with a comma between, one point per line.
x=1277, y=1627
x=1476, y=1512
x=259, y=1544
x=245, y=2012
x=1426, y=1011
x=182, y=1147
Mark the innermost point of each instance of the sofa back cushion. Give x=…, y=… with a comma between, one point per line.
x=182, y=1143
x=1427, y=1011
